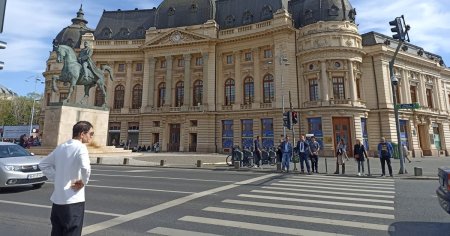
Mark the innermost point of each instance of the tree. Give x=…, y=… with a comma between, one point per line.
x=17, y=111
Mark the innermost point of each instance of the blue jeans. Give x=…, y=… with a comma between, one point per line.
x=286, y=160
x=304, y=158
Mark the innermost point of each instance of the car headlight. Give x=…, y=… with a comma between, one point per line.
x=13, y=168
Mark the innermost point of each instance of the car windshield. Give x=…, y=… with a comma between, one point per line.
x=12, y=151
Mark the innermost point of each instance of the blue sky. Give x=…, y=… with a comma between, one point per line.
x=31, y=25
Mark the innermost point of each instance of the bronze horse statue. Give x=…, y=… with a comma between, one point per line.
x=72, y=73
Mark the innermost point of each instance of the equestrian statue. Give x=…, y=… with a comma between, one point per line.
x=80, y=71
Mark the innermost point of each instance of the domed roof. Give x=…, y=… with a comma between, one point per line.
x=306, y=12
x=176, y=13
x=71, y=35
x=6, y=93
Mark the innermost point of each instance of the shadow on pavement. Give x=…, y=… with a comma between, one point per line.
x=412, y=228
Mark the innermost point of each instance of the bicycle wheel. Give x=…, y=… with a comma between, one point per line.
x=229, y=160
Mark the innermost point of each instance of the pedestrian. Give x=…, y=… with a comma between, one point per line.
x=405, y=152
x=279, y=152
x=23, y=140
x=68, y=167
x=286, y=149
x=385, y=152
x=341, y=156
x=360, y=154
x=314, y=148
x=302, y=147
x=257, y=150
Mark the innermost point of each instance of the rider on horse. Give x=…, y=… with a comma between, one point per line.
x=85, y=59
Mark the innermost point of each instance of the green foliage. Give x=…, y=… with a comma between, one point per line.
x=17, y=111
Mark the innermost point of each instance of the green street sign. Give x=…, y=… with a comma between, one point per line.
x=408, y=106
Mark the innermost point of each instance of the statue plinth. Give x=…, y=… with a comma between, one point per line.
x=60, y=119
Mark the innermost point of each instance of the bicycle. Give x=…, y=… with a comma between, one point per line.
x=235, y=155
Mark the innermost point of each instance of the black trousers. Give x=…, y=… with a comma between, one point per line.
x=314, y=163
x=67, y=220
x=388, y=161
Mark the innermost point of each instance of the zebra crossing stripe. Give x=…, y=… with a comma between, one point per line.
x=312, y=209
x=375, y=180
x=256, y=227
x=334, y=188
x=333, y=203
x=337, y=185
x=354, y=182
x=328, y=192
x=177, y=232
x=299, y=218
x=324, y=196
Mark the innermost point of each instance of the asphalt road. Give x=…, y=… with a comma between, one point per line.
x=174, y=201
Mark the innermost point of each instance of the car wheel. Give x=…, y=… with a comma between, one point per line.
x=36, y=186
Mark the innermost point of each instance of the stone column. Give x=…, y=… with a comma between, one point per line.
x=187, y=80
x=128, y=87
x=238, y=83
x=145, y=83
x=205, y=79
x=258, y=80
x=421, y=91
x=446, y=98
x=169, y=65
x=110, y=88
x=151, y=82
x=437, y=94
x=324, y=81
x=405, y=92
x=352, y=83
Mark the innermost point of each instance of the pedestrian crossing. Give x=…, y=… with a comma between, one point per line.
x=297, y=205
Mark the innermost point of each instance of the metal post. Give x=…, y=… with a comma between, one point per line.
x=293, y=129
x=368, y=167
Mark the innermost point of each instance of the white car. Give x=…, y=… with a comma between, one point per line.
x=19, y=167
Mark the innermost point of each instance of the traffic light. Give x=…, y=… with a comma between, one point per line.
x=287, y=120
x=398, y=29
x=294, y=117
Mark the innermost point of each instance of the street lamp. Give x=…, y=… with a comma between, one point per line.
x=36, y=80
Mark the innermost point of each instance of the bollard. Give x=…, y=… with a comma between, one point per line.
x=99, y=160
x=162, y=163
x=237, y=164
x=417, y=171
x=126, y=161
x=368, y=167
x=278, y=166
x=199, y=163
x=326, y=166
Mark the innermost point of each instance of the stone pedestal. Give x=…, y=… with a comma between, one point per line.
x=60, y=119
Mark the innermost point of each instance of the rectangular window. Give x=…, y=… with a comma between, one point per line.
x=230, y=59
x=315, y=128
x=114, y=126
x=404, y=131
x=194, y=123
x=133, y=126
x=247, y=133
x=358, y=88
x=413, y=92
x=397, y=94
x=365, y=134
x=48, y=99
x=248, y=56
x=429, y=97
x=121, y=67
x=268, y=53
x=163, y=63
x=63, y=96
x=156, y=123
x=199, y=61
x=227, y=134
x=180, y=62
x=313, y=90
x=139, y=67
x=267, y=132
x=338, y=88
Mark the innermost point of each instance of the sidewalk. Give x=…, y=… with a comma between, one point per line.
x=429, y=165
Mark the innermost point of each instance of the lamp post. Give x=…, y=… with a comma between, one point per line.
x=283, y=61
x=36, y=80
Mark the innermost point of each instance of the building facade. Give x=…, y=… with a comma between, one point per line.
x=206, y=75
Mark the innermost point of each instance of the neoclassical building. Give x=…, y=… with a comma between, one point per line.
x=204, y=75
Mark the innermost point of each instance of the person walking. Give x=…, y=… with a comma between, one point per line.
x=385, y=152
x=257, y=147
x=360, y=154
x=68, y=167
x=314, y=149
x=340, y=155
x=302, y=147
x=405, y=152
x=286, y=148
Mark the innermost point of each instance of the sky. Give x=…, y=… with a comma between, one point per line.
x=31, y=25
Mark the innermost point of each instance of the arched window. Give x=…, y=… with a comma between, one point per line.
x=198, y=92
x=249, y=90
x=136, y=102
x=161, y=94
x=268, y=89
x=99, y=97
x=247, y=18
x=229, y=21
x=229, y=92
x=106, y=33
x=179, y=94
x=119, y=94
x=267, y=12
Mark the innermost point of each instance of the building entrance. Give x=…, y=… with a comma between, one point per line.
x=341, y=130
x=174, y=138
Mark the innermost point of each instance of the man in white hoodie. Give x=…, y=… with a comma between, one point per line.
x=69, y=168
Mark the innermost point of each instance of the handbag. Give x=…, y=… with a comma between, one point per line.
x=296, y=158
x=356, y=157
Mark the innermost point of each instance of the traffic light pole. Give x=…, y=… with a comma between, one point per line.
x=394, y=84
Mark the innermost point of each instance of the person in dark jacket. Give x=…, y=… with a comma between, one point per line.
x=302, y=148
x=257, y=147
x=360, y=154
x=385, y=152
